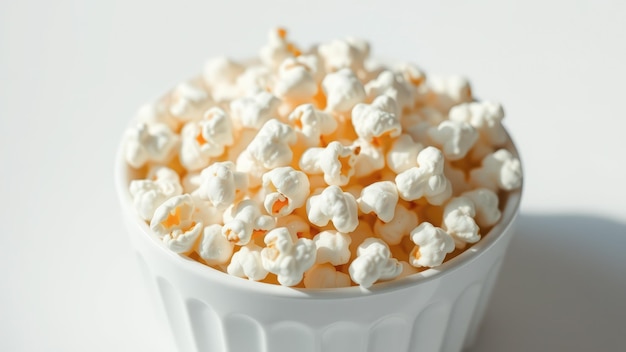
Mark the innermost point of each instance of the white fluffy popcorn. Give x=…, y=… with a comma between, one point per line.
x=425, y=180
x=486, y=205
x=205, y=139
x=432, y=245
x=499, y=170
x=455, y=138
x=254, y=110
x=148, y=194
x=277, y=49
x=189, y=102
x=297, y=79
x=379, y=198
x=286, y=189
x=174, y=224
x=376, y=119
x=458, y=221
x=339, y=54
x=343, y=91
x=214, y=247
x=484, y=116
x=317, y=166
x=332, y=247
x=403, y=222
x=333, y=205
x=403, y=153
x=370, y=158
x=312, y=124
x=247, y=263
x=393, y=85
x=247, y=218
x=149, y=143
x=325, y=276
x=336, y=162
x=373, y=263
x=449, y=91
x=220, y=184
x=287, y=256
x=270, y=147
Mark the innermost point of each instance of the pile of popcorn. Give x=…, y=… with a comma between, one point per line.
x=319, y=168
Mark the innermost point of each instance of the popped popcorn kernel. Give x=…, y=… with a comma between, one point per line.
x=214, y=247
x=486, y=117
x=486, y=205
x=189, y=102
x=312, y=124
x=376, y=119
x=253, y=111
x=149, y=143
x=458, y=221
x=373, y=263
x=333, y=205
x=336, y=162
x=432, y=245
x=499, y=170
x=205, y=139
x=332, y=247
x=247, y=217
x=150, y=193
x=173, y=223
x=287, y=189
x=379, y=198
x=402, y=223
x=220, y=184
x=325, y=276
x=343, y=91
x=247, y=263
x=426, y=179
x=287, y=256
x=456, y=138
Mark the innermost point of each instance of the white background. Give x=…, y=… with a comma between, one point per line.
x=72, y=73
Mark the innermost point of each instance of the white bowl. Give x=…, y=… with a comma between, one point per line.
x=434, y=310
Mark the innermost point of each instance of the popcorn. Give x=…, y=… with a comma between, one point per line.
x=296, y=225
x=332, y=247
x=173, y=223
x=255, y=79
x=149, y=143
x=335, y=161
x=221, y=74
x=296, y=79
x=247, y=262
x=370, y=158
x=318, y=168
x=486, y=204
x=205, y=139
x=340, y=54
x=380, y=198
x=325, y=276
x=432, y=245
x=343, y=91
x=333, y=205
x=376, y=119
x=246, y=219
x=486, y=117
x=393, y=85
x=214, y=246
x=150, y=193
x=287, y=189
x=312, y=124
x=255, y=110
x=456, y=138
x=499, y=170
x=269, y=149
x=220, y=184
x=189, y=102
x=403, y=153
x=373, y=263
x=277, y=49
x=287, y=256
x=427, y=180
x=458, y=221
x=450, y=91
x=402, y=223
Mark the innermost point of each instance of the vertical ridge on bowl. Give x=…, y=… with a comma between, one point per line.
x=430, y=326
x=206, y=326
x=390, y=331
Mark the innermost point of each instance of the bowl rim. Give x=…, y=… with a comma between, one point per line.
x=509, y=214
